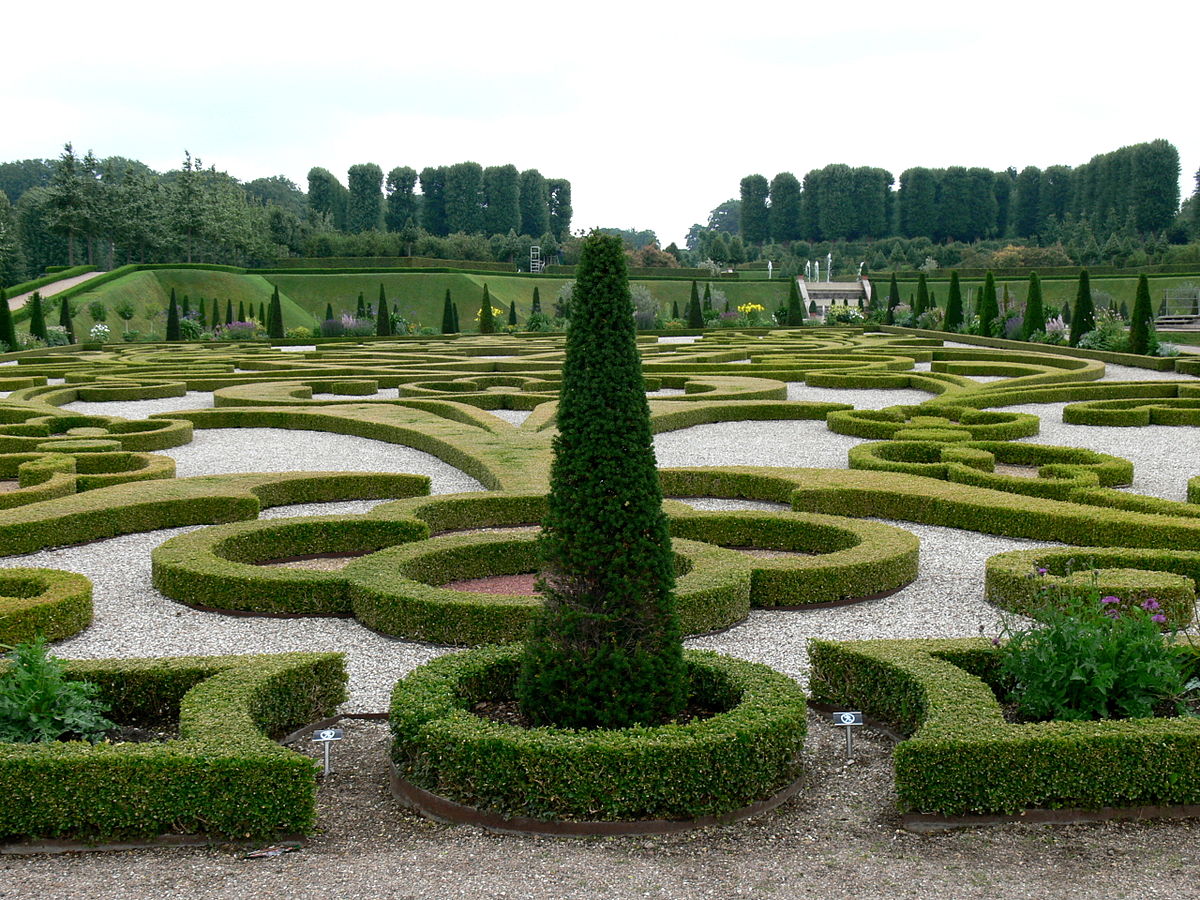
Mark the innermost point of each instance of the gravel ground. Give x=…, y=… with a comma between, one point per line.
x=141, y=409
x=512, y=416
x=838, y=837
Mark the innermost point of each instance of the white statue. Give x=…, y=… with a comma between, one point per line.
x=829, y=267
x=807, y=269
x=860, y=267
x=770, y=269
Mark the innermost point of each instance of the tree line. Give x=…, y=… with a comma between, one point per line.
x=107, y=212
x=1138, y=185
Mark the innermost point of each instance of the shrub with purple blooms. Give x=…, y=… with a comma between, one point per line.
x=1094, y=657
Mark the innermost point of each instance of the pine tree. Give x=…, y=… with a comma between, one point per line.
x=457, y=328
x=328, y=312
x=186, y=309
x=173, y=319
x=922, y=302
x=989, y=309
x=1083, y=317
x=362, y=309
x=262, y=314
x=487, y=322
x=228, y=310
x=64, y=319
x=1035, y=313
x=242, y=311
x=893, y=300
x=707, y=297
x=383, y=319
x=202, y=316
x=275, y=316
x=448, y=314
x=8, y=332
x=512, y=313
x=695, y=315
x=675, y=309
x=954, y=305
x=795, y=310
x=1141, y=328
x=37, y=317
x=605, y=650
x=536, y=307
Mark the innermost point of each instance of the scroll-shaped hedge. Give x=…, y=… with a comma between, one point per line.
x=46, y=602
x=977, y=425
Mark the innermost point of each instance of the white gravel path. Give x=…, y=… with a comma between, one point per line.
x=859, y=399
x=512, y=416
x=141, y=409
x=802, y=442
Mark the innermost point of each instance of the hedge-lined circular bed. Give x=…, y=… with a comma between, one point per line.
x=977, y=425
x=46, y=602
x=747, y=753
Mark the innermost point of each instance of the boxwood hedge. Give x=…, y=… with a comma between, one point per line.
x=46, y=602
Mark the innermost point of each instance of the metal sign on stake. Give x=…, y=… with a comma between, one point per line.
x=327, y=736
x=848, y=720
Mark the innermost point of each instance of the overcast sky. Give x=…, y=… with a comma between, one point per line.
x=654, y=111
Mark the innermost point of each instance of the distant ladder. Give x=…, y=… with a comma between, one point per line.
x=535, y=259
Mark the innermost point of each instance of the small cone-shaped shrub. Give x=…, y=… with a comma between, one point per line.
x=921, y=303
x=707, y=296
x=64, y=318
x=989, y=309
x=228, y=310
x=1083, y=317
x=262, y=314
x=893, y=300
x=242, y=311
x=328, y=312
x=361, y=313
x=695, y=315
x=457, y=327
x=674, y=309
x=1035, y=312
x=202, y=316
x=8, y=332
x=795, y=309
x=383, y=318
x=605, y=650
x=812, y=307
x=954, y=305
x=448, y=314
x=512, y=313
x=173, y=319
x=275, y=316
x=185, y=308
x=1141, y=329
x=536, y=306
x=37, y=316
x=487, y=322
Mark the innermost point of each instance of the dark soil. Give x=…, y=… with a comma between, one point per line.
x=508, y=712
x=133, y=734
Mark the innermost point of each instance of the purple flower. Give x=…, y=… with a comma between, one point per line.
x=1041, y=571
x=996, y=642
x=1107, y=600
x=1150, y=604
x=1112, y=613
x=1158, y=618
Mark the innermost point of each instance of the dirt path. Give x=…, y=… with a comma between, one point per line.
x=49, y=290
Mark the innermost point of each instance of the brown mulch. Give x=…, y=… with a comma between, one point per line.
x=763, y=553
x=1017, y=471
x=313, y=562
x=522, y=585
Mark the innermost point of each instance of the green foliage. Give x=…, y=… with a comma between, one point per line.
x=1141, y=328
x=275, y=316
x=1083, y=315
x=8, y=333
x=695, y=314
x=922, y=302
x=37, y=317
x=173, y=319
x=512, y=313
x=383, y=319
x=756, y=225
x=364, y=210
x=1035, y=314
x=893, y=300
x=487, y=320
x=536, y=306
x=954, y=305
x=448, y=319
x=989, y=310
x=606, y=651
x=795, y=309
x=1092, y=658
x=38, y=703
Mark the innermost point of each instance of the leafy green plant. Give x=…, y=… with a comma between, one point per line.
x=38, y=704
x=1093, y=658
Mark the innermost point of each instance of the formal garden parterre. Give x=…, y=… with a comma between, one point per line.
x=790, y=536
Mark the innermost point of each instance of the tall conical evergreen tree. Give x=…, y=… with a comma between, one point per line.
x=228, y=310
x=37, y=316
x=275, y=316
x=1066, y=313
x=362, y=308
x=1141, y=328
x=893, y=300
x=605, y=649
x=448, y=314
x=383, y=318
x=674, y=309
x=795, y=309
x=185, y=309
x=921, y=303
x=202, y=316
x=695, y=315
x=989, y=309
x=707, y=296
x=536, y=306
x=242, y=311
x=512, y=313
x=64, y=319
x=457, y=327
x=487, y=322
x=173, y=319
x=8, y=331
x=954, y=305
x=328, y=311
x=1035, y=312
x=262, y=314
x=1083, y=316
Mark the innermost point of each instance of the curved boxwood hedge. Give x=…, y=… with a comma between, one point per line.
x=1012, y=580
x=705, y=767
x=963, y=757
x=883, y=424
x=224, y=776
x=1163, y=411
x=46, y=602
x=850, y=559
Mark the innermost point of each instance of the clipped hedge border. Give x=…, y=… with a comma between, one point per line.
x=1060, y=470
x=964, y=758
x=671, y=772
x=1012, y=581
x=224, y=776
x=46, y=602
x=1166, y=411
x=884, y=424
x=852, y=559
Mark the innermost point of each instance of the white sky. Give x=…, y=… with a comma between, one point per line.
x=654, y=111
